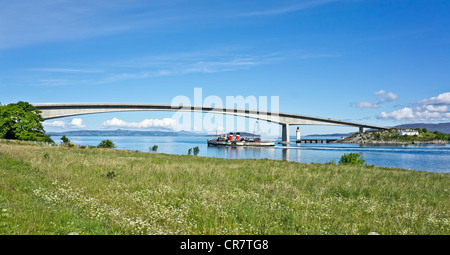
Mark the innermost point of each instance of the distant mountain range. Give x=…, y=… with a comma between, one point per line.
x=120, y=132
x=440, y=127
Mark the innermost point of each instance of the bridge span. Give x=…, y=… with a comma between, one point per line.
x=59, y=110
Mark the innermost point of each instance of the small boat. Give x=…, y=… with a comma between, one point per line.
x=227, y=140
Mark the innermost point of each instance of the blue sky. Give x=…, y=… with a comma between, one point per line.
x=370, y=61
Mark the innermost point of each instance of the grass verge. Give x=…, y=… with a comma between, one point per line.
x=58, y=190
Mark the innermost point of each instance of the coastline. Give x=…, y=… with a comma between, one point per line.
x=394, y=137
x=389, y=142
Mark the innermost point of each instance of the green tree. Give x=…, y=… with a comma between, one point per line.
x=424, y=130
x=107, y=144
x=22, y=121
x=154, y=148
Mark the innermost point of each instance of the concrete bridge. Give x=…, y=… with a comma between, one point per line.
x=53, y=111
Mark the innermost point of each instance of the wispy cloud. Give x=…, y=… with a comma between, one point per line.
x=208, y=61
x=286, y=9
x=382, y=97
x=25, y=22
x=66, y=70
x=28, y=22
x=366, y=105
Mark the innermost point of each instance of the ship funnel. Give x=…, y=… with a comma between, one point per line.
x=237, y=136
x=231, y=136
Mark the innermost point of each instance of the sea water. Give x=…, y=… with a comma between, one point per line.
x=432, y=158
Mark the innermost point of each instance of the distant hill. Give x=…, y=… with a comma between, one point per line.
x=440, y=127
x=241, y=134
x=120, y=132
x=335, y=134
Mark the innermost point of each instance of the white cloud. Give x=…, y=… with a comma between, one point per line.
x=426, y=115
x=441, y=99
x=77, y=123
x=419, y=115
x=366, y=105
x=74, y=123
x=56, y=123
x=431, y=108
x=405, y=113
x=166, y=123
x=380, y=92
x=382, y=97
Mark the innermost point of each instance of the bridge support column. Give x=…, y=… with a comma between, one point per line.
x=362, y=130
x=285, y=134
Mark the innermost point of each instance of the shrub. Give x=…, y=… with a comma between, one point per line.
x=107, y=144
x=352, y=159
x=441, y=136
x=111, y=174
x=154, y=148
x=65, y=140
x=196, y=151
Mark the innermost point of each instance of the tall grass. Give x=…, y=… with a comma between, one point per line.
x=49, y=190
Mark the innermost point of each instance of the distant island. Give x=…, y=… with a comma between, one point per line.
x=398, y=136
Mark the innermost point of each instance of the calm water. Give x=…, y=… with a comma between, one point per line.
x=433, y=158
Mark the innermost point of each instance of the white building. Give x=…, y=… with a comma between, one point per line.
x=408, y=132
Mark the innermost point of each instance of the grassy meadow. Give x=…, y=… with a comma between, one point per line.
x=47, y=190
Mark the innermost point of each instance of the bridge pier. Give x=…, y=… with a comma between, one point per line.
x=362, y=130
x=285, y=134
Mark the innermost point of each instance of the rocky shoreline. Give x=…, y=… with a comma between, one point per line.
x=376, y=137
x=388, y=142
